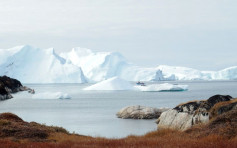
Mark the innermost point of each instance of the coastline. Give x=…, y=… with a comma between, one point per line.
x=215, y=126
x=220, y=131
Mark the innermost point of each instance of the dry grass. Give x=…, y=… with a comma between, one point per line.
x=219, y=133
x=13, y=126
x=168, y=139
x=224, y=125
x=216, y=107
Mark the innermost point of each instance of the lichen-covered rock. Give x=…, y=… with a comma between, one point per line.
x=186, y=115
x=140, y=112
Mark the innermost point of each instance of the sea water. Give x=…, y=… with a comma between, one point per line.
x=93, y=113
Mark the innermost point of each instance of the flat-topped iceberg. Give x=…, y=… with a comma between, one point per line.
x=51, y=95
x=114, y=83
x=163, y=87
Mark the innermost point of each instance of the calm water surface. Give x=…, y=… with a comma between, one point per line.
x=94, y=112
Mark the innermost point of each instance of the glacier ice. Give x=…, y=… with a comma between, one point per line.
x=163, y=87
x=81, y=65
x=33, y=65
x=51, y=95
x=113, y=83
x=116, y=83
x=97, y=66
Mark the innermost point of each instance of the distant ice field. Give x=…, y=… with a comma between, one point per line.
x=94, y=112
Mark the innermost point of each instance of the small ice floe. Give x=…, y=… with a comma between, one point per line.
x=163, y=87
x=51, y=95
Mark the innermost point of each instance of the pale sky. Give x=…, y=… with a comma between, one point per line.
x=200, y=34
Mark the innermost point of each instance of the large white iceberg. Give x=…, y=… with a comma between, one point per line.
x=99, y=66
x=163, y=87
x=51, y=95
x=114, y=83
x=34, y=65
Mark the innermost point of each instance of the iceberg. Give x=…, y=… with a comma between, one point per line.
x=34, y=65
x=184, y=73
x=225, y=74
x=163, y=87
x=99, y=66
x=80, y=65
x=51, y=95
x=114, y=83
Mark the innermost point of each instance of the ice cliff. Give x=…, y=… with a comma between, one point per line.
x=34, y=65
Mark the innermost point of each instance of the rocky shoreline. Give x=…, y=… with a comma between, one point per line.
x=140, y=112
x=219, y=131
x=204, y=123
x=9, y=85
x=183, y=116
x=186, y=115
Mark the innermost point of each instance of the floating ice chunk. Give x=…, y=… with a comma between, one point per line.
x=114, y=83
x=51, y=95
x=163, y=87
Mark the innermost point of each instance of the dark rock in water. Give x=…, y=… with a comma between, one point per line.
x=2, y=90
x=188, y=114
x=9, y=85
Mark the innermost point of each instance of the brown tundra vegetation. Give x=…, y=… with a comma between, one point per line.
x=220, y=132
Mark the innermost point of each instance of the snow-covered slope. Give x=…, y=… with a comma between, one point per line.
x=33, y=65
x=114, y=83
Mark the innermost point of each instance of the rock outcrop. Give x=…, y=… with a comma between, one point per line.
x=140, y=112
x=186, y=115
x=9, y=85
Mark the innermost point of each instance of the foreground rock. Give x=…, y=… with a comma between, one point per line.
x=140, y=112
x=9, y=85
x=188, y=114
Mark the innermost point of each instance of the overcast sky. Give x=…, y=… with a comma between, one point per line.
x=201, y=34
